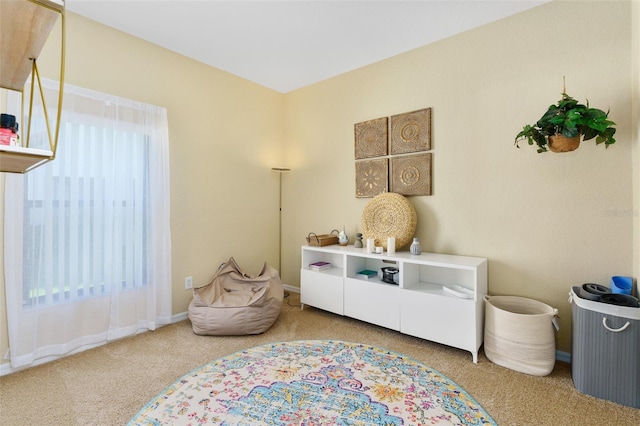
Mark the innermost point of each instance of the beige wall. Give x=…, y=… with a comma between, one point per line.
x=545, y=222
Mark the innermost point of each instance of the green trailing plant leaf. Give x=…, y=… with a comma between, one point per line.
x=569, y=118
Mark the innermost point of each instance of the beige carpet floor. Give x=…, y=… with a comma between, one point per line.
x=109, y=384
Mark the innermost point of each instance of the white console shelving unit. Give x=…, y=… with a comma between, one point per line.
x=417, y=305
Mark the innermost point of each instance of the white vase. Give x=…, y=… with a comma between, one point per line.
x=343, y=238
x=415, y=248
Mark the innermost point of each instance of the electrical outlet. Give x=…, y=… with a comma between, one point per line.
x=188, y=283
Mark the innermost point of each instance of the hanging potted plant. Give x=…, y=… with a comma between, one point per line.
x=564, y=123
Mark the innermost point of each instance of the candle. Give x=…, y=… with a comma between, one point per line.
x=371, y=245
x=391, y=245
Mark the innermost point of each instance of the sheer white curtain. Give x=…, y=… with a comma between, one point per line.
x=87, y=237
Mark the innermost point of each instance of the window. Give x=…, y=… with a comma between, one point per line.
x=66, y=231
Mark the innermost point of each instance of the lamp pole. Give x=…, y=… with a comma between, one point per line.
x=280, y=170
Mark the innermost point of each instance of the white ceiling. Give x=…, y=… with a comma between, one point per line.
x=285, y=45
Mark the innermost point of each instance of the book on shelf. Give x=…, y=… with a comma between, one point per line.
x=367, y=273
x=317, y=266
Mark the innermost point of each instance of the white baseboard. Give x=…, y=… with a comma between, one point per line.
x=179, y=317
x=5, y=369
x=291, y=288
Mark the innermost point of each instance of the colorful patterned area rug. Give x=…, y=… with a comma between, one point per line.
x=314, y=382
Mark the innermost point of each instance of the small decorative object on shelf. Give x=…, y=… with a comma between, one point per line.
x=459, y=291
x=391, y=245
x=343, y=238
x=8, y=130
x=371, y=245
x=318, y=266
x=322, y=240
x=389, y=214
x=389, y=275
x=415, y=248
x=358, y=243
x=366, y=274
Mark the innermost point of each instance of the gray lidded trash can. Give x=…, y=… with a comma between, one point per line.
x=605, y=350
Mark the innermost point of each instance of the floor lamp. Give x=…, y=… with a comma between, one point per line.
x=280, y=170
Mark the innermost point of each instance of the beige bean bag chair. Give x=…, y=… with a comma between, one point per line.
x=234, y=303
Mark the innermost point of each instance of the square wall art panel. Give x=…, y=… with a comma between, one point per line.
x=411, y=174
x=371, y=138
x=411, y=132
x=372, y=177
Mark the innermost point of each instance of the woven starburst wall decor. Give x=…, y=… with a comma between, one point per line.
x=391, y=154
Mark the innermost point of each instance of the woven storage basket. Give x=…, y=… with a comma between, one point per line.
x=389, y=215
x=518, y=334
x=322, y=239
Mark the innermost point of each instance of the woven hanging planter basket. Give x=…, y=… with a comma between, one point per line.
x=559, y=143
x=389, y=215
